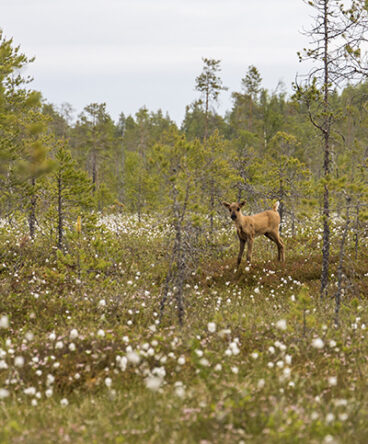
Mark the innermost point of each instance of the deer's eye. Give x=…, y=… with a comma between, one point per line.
x=238, y=209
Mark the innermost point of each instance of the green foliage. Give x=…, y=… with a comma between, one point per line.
x=245, y=364
x=68, y=193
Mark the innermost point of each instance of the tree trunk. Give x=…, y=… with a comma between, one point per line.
x=357, y=231
x=212, y=208
x=94, y=169
x=122, y=177
x=32, y=210
x=60, y=215
x=326, y=163
x=206, y=116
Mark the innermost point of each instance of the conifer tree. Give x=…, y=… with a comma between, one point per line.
x=94, y=142
x=209, y=84
x=337, y=35
x=23, y=145
x=70, y=191
x=179, y=165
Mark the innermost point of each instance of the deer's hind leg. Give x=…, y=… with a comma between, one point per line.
x=275, y=237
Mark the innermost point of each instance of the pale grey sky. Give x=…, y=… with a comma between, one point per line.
x=134, y=53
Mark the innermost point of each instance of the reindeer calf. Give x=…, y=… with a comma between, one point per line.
x=249, y=227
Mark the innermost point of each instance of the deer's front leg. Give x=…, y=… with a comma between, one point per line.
x=241, y=250
x=250, y=248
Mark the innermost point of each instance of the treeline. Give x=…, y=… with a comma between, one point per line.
x=265, y=148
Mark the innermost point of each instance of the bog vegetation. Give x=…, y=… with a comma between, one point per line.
x=123, y=315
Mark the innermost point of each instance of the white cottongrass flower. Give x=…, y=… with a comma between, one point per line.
x=72, y=347
x=318, y=343
x=181, y=360
x=49, y=392
x=288, y=359
x=50, y=379
x=341, y=402
x=108, y=382
x=73, y=334
x=159, y=371
x=3, y=365
x=153, y=383
x=123, y=362
x=211, y=326
x=218, y=367
x=255, y=355
x=332, y=343
x=100, y=333
x=280, y=345
x=52, y=336
x=102, y=303
x=59, y=345
x=234, y=348
x=281, y=324
x=314, y=416
x=235, y=370
x=64, y=402
x=29, y=336
x=204, y=362
x=133, y=357
x=4, y=322
x=4, y=393
x=179, y=389
x=19, y=361
x=332, y=381
x=330, y=417
x=30, y=391
x=224, y=332
x=261, y=383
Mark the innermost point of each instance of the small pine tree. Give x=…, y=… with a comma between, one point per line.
x=70, y=192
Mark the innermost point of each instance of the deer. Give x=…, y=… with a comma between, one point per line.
x=266, y=223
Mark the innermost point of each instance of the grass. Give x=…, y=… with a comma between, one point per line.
x=258, y=359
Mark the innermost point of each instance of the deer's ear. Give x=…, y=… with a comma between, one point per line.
x=242, y=203
x=225, y=204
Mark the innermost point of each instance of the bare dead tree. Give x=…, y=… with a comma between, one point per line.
x=335, y=39
x=176, y=274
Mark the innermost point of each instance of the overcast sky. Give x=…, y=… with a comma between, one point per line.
x=134, y=53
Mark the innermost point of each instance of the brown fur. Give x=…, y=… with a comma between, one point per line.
x=249, y=227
